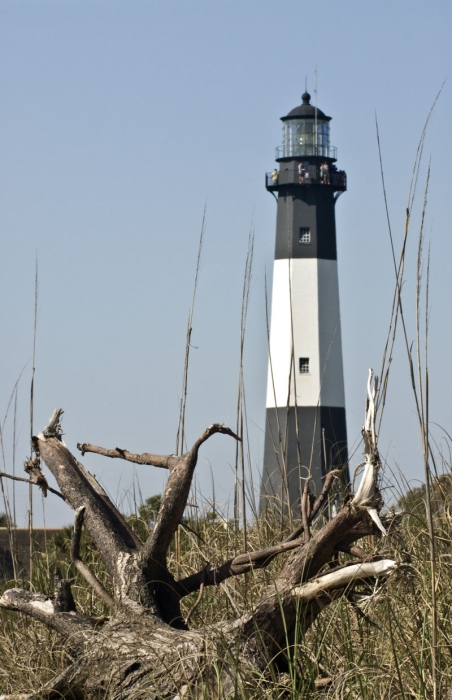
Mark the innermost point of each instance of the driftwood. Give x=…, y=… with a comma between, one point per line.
x=145, y=648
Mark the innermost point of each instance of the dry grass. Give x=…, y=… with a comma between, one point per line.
x=379, y=649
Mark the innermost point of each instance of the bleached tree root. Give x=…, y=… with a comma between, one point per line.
x=343, y=578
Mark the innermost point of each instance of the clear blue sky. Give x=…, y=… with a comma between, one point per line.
x=118, y=122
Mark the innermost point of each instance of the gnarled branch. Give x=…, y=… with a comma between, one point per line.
x=240, y=564
x=211, y=430
x=146, y=458
x=174, y=500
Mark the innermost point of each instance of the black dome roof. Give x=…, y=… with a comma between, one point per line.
x=306, y=110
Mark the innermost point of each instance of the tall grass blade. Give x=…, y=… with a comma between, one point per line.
x=240, y=448
x=180, y=438
x=32, y=391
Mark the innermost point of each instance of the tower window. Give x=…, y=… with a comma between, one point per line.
x=305, y=235
x=303, y=365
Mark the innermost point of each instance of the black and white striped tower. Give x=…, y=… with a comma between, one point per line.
x=306, y=429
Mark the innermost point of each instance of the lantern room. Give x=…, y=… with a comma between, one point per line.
x=306, y=132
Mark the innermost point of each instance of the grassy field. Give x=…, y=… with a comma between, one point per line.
x=377, y=646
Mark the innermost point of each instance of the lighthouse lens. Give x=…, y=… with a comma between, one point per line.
x=306, y=137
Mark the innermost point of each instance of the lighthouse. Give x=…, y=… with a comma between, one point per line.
x=306, y=434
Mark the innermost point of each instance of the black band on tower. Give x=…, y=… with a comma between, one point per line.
x=310, y=443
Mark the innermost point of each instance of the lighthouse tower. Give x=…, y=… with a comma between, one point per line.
x=306, y=431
